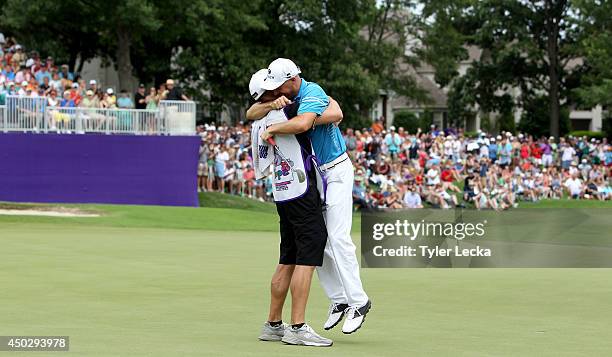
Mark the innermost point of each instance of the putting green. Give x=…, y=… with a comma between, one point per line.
x=132, y=283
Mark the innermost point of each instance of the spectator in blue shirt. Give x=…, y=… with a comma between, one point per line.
x=394, y=142
x=66, y=102
x=40, y=75
x=10, y=75
x=65, y=73
x=124, y=100
x=493, y=150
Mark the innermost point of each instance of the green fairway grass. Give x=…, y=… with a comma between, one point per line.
x=173, y=281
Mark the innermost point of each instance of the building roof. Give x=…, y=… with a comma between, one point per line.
x=436, y=95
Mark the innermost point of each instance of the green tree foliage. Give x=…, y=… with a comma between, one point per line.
x=56, y=28
x=596, y=48
x=525, y=44
x=535, y=118
x=407, y=120
x=411, y=122
x=352, y=48
x=81, y=30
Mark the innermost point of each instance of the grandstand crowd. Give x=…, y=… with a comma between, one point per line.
x=434, y=168
x=24, y=73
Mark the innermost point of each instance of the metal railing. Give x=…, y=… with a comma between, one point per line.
x=32, y=114
x=108, y=121
x=24, y=113
x=179, y=115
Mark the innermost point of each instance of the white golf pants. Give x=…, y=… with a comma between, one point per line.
x=339, y=274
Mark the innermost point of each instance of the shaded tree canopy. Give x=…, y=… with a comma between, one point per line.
x=356, y=49
x=352, y=48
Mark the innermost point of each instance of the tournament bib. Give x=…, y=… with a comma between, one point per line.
x=290, y=179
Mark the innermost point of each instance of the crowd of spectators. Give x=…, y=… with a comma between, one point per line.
x=393, y=168
x=434, y=168
x=27, y=74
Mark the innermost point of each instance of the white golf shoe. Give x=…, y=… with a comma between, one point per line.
x=335, y=315
x=355, y=317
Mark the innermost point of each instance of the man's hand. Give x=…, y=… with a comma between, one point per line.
x=266, y=135
x=279, y=103
x=259, y=110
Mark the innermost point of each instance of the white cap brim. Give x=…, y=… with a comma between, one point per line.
x=270, y=84
x=255, y=84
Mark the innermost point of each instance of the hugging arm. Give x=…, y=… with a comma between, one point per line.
x=258, y=110
x=333, y=114
x=261, y=109
x=305, y=121
x=296, y=125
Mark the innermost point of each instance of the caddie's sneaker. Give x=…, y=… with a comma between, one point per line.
x=335, y=315
x=272, y=333
x=355, y=317
x=305, y=336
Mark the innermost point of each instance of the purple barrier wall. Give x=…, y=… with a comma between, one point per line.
x=150, y=170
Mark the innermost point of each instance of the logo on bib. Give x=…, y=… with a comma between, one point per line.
x=263, y=151
x=282, y=168
x=283, y=173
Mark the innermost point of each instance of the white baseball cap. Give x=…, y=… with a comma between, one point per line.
x=93, y=81
x=279, y=71
x=109, y=90
x=256, y=83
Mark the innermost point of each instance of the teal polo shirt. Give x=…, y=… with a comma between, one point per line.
x=327, y=141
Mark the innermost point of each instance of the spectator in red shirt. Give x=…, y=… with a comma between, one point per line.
x=524, y=151
x=536, y=153
x=75, y=95
x=448, y=176
x=418, y=178
x=422, y=158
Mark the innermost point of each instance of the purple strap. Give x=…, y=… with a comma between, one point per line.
x=312, y=159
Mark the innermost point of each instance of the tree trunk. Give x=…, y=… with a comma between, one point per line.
x=72, y=61
x=81, y=64
x=124, y=62
x=552, y=29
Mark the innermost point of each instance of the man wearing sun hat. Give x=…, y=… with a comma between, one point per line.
x=173, y=92
x=339, y=275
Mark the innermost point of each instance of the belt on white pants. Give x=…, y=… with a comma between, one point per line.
x=330, y=165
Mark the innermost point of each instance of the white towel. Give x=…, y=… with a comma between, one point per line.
x=262, y=151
